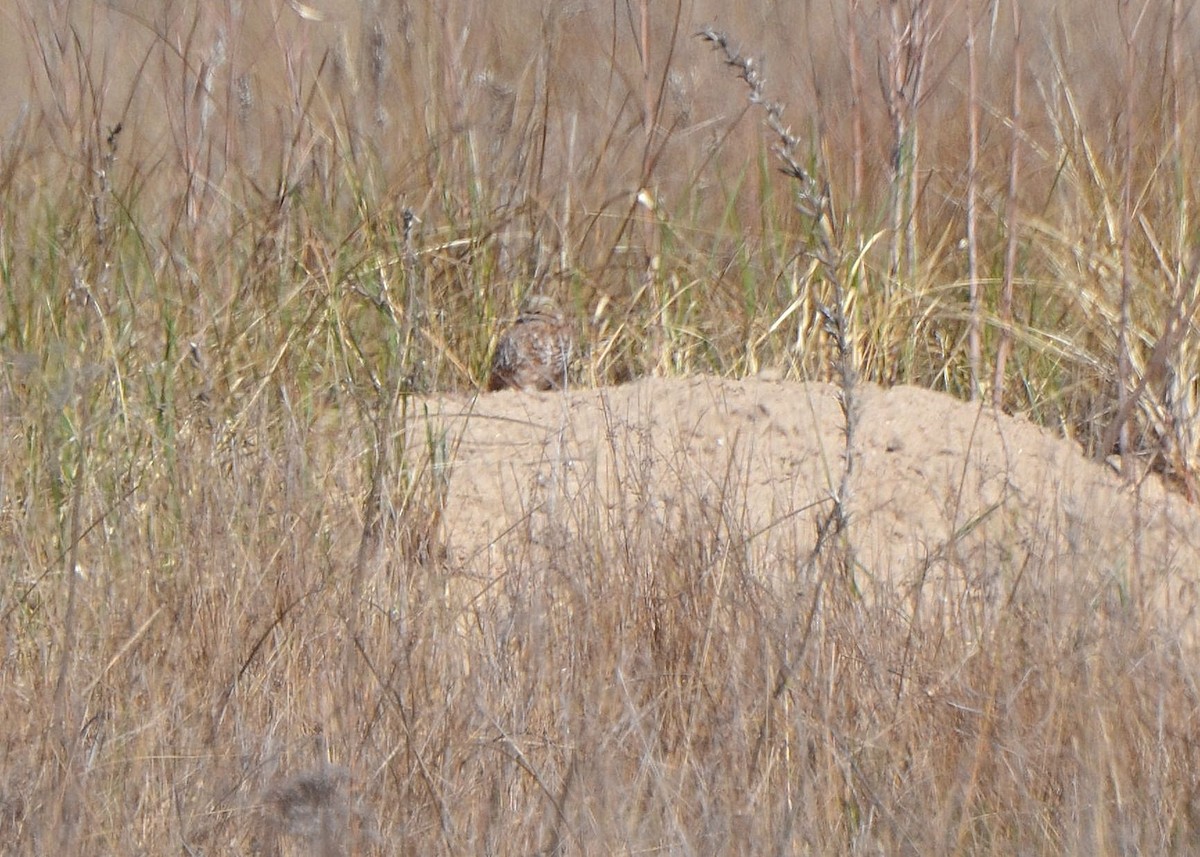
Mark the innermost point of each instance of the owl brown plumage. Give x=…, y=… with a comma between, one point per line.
x=534, y=353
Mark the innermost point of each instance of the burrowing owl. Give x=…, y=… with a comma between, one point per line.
x=533, y=354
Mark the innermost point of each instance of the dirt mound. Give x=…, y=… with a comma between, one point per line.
x=942, y=490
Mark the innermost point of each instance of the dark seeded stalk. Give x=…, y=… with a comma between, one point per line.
x=813, y=201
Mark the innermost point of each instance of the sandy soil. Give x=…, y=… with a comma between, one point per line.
x=942, y=490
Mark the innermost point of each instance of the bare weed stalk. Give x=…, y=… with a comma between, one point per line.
x=1129, y=20
x=1011, y=214
x=906, y=56
x=832, y=529
x=974, y=298
x=858, y=108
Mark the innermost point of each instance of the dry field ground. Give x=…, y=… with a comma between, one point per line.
x=867, y=522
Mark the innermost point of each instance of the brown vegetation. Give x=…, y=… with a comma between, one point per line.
x=247, y=251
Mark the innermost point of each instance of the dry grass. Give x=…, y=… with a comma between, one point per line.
x=219, y=555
